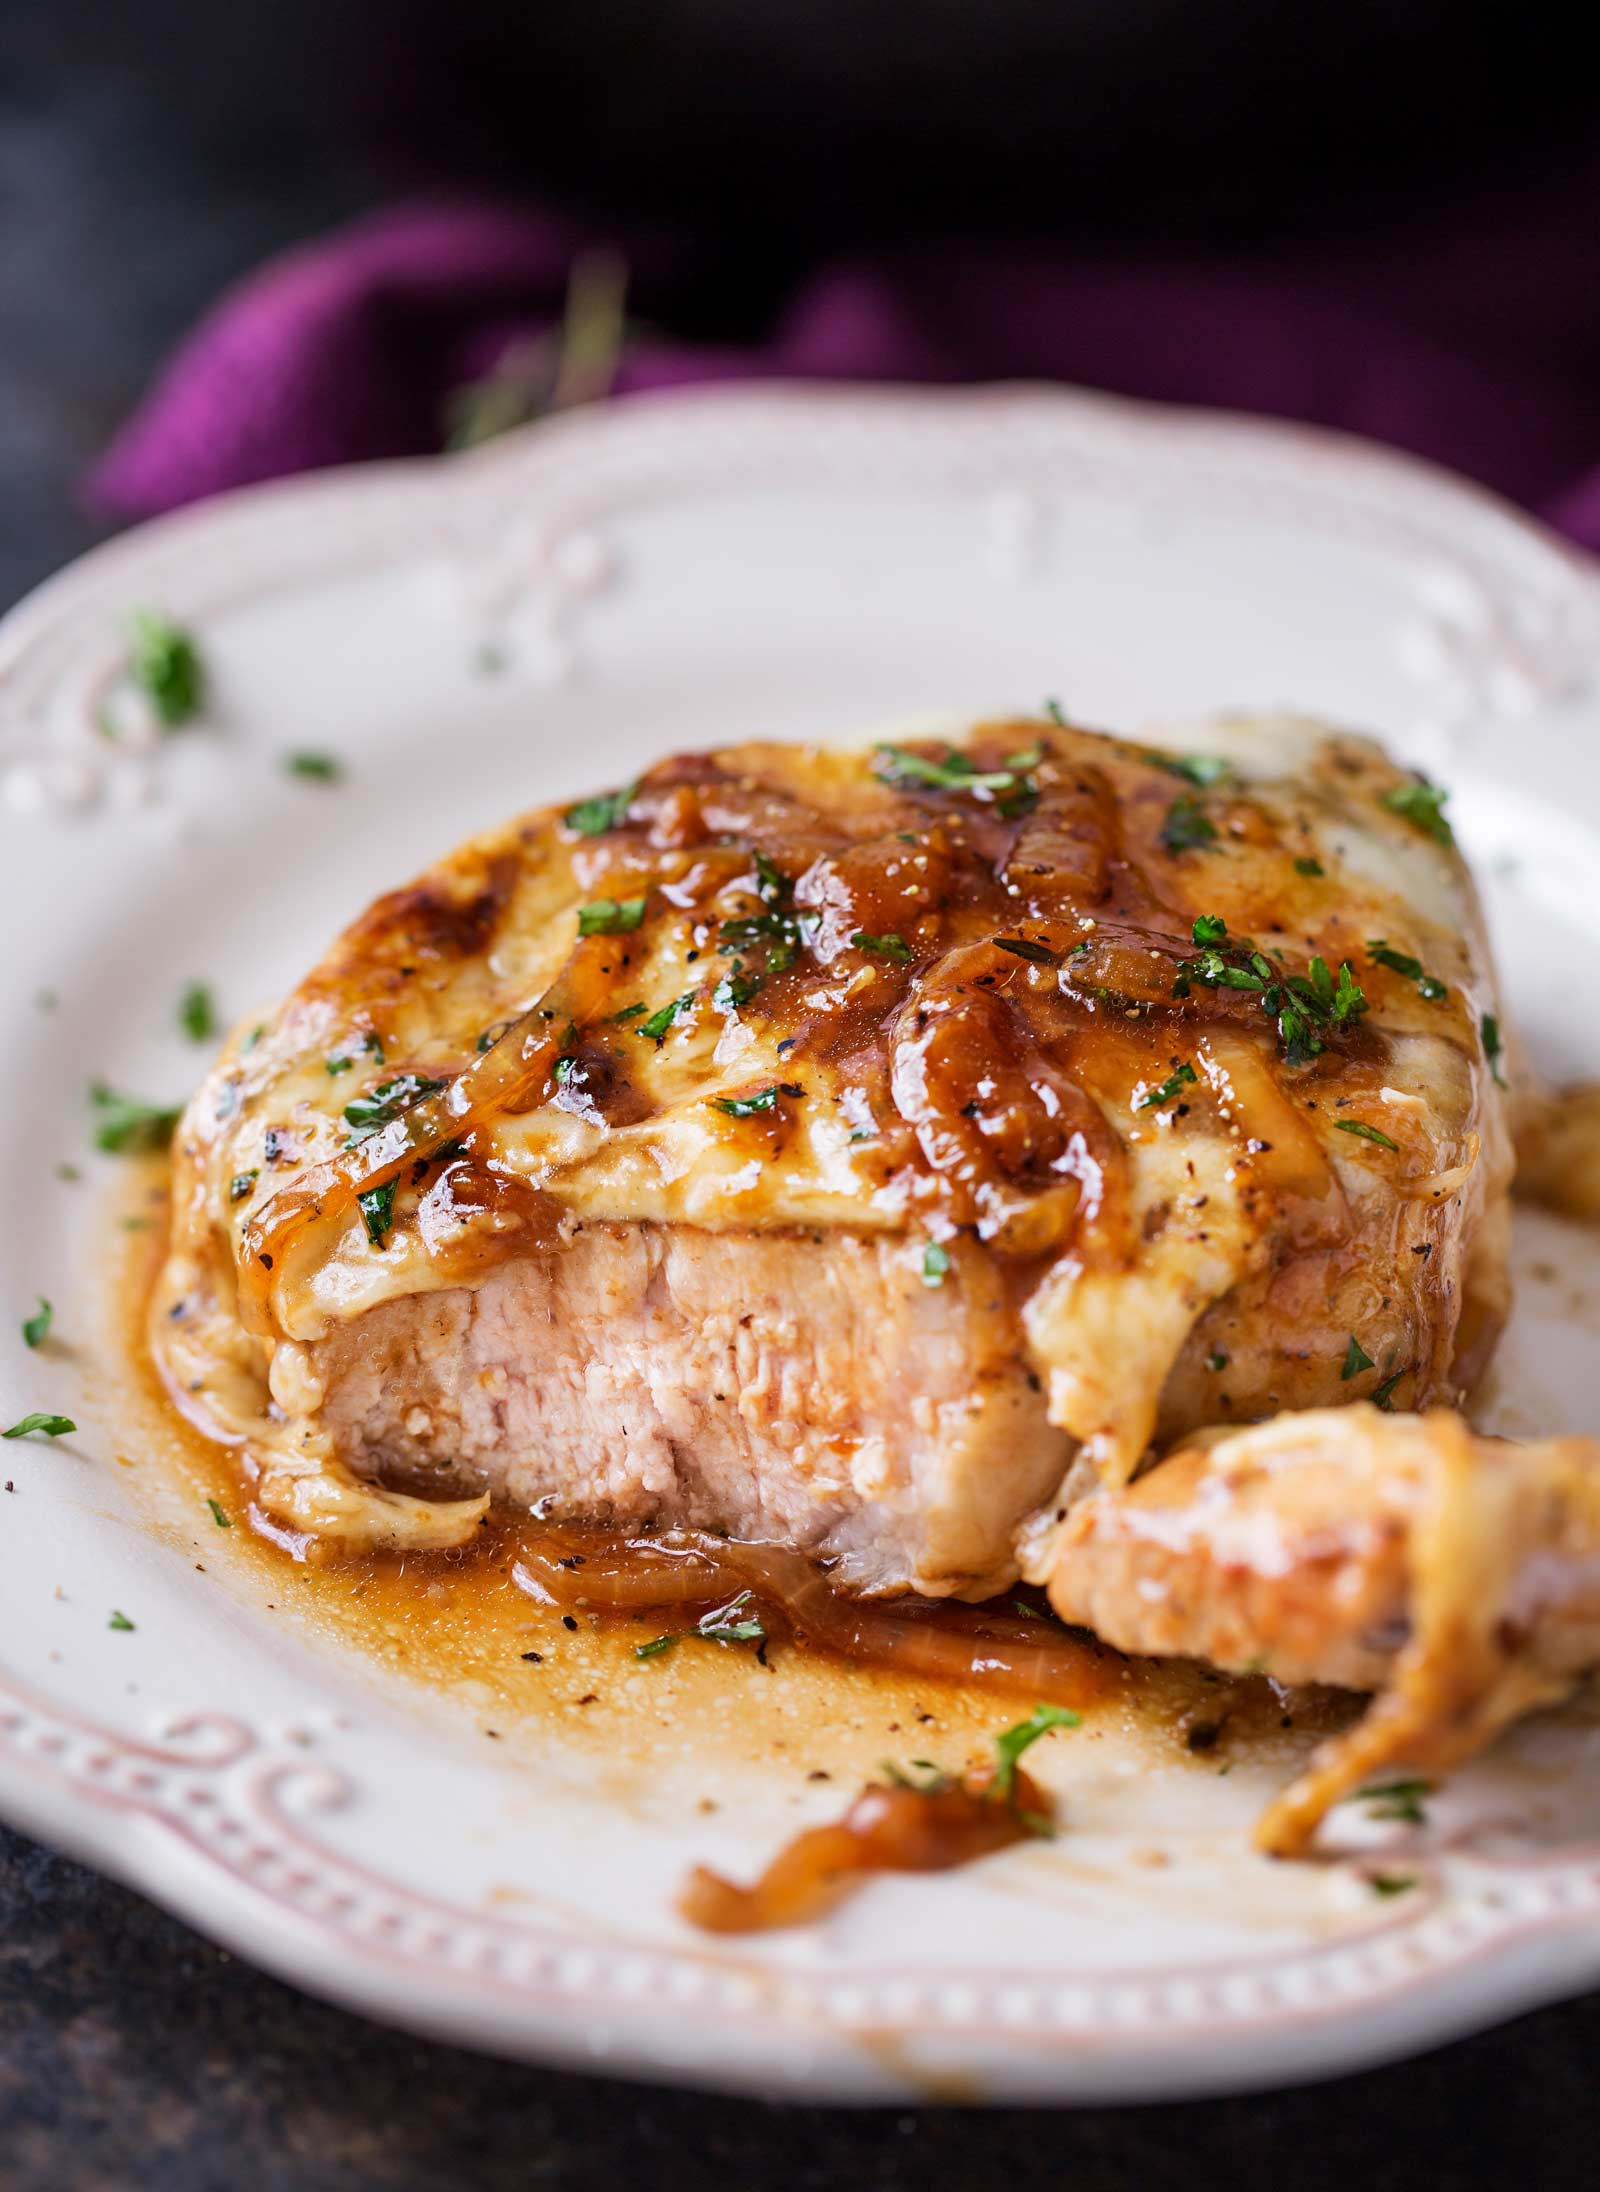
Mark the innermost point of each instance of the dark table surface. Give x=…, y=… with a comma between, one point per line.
x=134, y=2054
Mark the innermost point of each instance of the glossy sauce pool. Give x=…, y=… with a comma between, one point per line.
x=514, y=1670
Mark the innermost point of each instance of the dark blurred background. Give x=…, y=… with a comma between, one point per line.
x=153, y=151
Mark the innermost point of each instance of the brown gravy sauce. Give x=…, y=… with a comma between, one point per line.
x=513, y=1663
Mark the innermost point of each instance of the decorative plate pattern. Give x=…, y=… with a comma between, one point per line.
x=695, y=567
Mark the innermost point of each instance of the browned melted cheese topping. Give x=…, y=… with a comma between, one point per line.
x=954, y=995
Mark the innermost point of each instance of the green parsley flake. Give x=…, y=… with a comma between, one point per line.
x=1391, y=1883
x=166, y=665
x=655, y=1028
x=1489, y=1030
x=610, y=916
x=1402, y=962
x=1202, y=769
x=370, y=1046
x=316, y=768
x=730, y=1624
x=241, y=1183
x=376, y=1205
x=1356, y=1359
x=119, y=1620
x=735, y=990
x=36, y=1327
x=1383, y=1395
x=1401, y=1800
x=1009, y=1747
x=607, y=811
x=766, y=1099
x=1052, y=709
x=1182, y=1077
x=888, y=946
x=657, y=1644
x=935, y=1264
x=955, y=773
x=220, y=1515
x=125, y=1126
x=1367, y=1133
x=1423, y=806
x=44, y=1426
x=1187, y=827
x=197, y=1013
x=382, y=1105
x=1305, y=865
x=1209, y=929
x=1216, y=1360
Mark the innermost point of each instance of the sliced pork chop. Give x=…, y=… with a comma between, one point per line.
x=805, y=1389
x=874, y=1150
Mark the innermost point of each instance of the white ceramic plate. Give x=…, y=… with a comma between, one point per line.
x=484, y=633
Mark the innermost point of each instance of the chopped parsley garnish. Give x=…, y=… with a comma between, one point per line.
x=119, y=1620
x=36, y=1328
x=888, y=946
x=1216, y=1360
x=563, y=1069
x=1366, y=1133
x=606, y=811
x=766, y=1099
x=369, y=1046
x=241, y=1183
x=126, y=1126
x=1356, y=1359
x=730, y=1624
x=382, y=1105
x=1383, y=1395
x=935, y=1264
x=1026, y=757
x=1052, y=709
x=610, y=916
x=735, y=989
x=1024, y=947
x=1009, y=1747
x=1400, y=1800
x=220, y=1515
x=44, y=1425
x=1423, y=806
x=957, y=772
x=1305, y=865
x=1391, y=1883
x=1489, y=1030
x=316, y=768
x=1294, y=1000
x=376, y=1205
x=197, y=1014
x=655, y=1645
x=1202, y=769
x=618, y=1019
x=1182, y=1077
x=779, y=933
x=659, y=1022
x=773, y=887
x=1187, y=826
x=166, y=665
x=1401, y=962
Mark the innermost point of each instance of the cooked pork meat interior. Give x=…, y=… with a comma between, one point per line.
x=884, y=1152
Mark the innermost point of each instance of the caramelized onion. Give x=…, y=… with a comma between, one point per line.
x=889, y=1828
x=934, y=1639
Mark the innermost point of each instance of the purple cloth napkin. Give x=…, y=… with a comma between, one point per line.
x=1471, y=336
